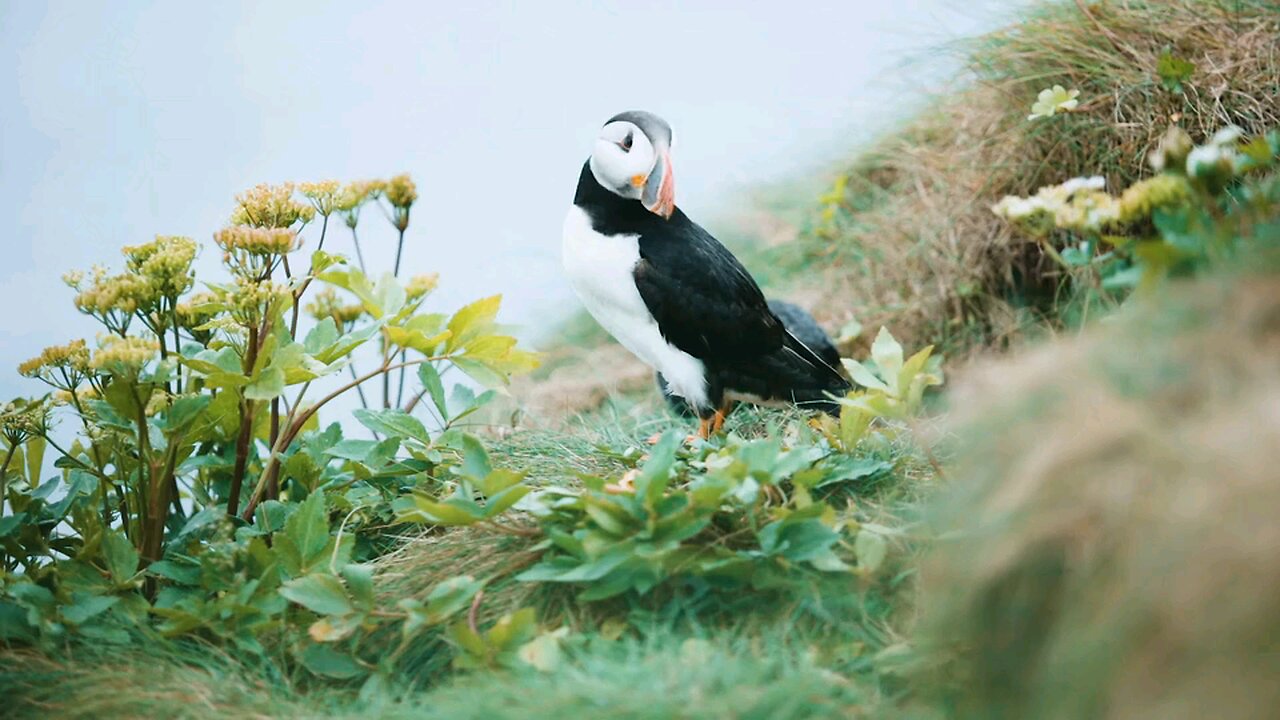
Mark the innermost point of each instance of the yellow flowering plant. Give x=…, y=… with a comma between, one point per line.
x=197, y=433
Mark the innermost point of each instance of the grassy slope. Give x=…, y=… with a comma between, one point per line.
x=909, y=243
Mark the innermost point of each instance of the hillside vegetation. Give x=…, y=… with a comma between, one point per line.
x=1059, y=287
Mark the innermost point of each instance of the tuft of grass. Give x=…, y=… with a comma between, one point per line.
x=1110, y=541
x=907, y=238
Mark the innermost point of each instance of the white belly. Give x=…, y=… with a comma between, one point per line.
x=599, y=269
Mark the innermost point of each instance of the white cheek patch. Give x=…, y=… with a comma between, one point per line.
x=614, y=167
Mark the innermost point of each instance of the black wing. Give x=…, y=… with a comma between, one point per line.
x=705, y=302
x=708, y=305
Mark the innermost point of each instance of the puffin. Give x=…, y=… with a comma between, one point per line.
x=800, y=324
x=671, y=293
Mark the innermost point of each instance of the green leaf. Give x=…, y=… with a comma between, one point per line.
x=430, y=378
x=651, y=483
x=184, y=410
x=88, y=606
x=324, y=660
x=393, y=423
x=1174, y=71
x=323, y=335
x=359, y=579
x=319, y=593
x=475, y=459
x=120, y=556
x=862, y=375
x=887, y=354
x=512, y=630
x=308, y=528
x=267, y=386
x=472, y=321
x=448, y=598
x=35, y=458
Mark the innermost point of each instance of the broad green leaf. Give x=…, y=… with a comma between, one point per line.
x=267, y=386
x=481, y=372
x=35, y=459
x=471, y=321
x=184, y=410
x=475, y=459
x=393, y=423
x=498, y=480
x=323, y=335
x=359, y=579
x=430, y=378
x=120, y=556
x=319, y=593
x=863, y=376
x=450, y=597
x=513, y=630
x=651, y=483
x=308, y=528
x=887, y=354
x=333, y=628
x=345, y=344
x=87, y=607
x=502, y=501
x=324, y=660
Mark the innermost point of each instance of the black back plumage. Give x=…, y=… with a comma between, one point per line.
x=799, y=323
x=707, y=305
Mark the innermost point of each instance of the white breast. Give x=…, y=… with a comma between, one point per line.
x=599, y=269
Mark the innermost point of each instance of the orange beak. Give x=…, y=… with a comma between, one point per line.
x=659, y=195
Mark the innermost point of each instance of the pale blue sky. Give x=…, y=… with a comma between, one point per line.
x=122, y=120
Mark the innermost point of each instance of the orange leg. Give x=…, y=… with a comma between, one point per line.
x=704, y=429
x=717, y=420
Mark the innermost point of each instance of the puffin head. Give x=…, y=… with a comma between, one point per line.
x=632, y=158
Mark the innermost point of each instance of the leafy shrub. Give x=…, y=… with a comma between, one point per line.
x=197, y=486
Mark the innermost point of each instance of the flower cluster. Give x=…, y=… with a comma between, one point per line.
x=22, y=419
x=323, y=195
x=327, y=305
x=62, y=366
x=196, y=312
x=271, y=206
x=420, y=285
x=112, y=299
x=76, y=396
x=123, y=356
x=165, y=263
x=401, y=193
x=254, y=251
x=1214, y=163
x=1081, y=205
x=251, y=300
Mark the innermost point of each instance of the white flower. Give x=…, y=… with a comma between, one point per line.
x=1053, y=100
x=1228, y=135
x=1075, y=185
x=1016, y=208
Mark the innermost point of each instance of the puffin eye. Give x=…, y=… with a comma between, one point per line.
x=626, y=143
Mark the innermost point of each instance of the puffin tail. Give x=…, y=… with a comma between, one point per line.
x=823, y=380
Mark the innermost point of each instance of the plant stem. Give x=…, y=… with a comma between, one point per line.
x=403, y=353
x=246, y=428
x=355, y=239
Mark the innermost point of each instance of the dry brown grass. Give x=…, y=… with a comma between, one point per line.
x=915, y=245
x=1111, y=545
